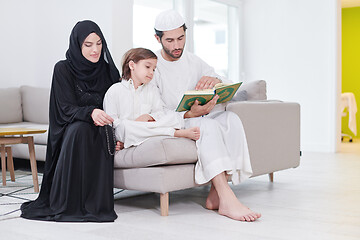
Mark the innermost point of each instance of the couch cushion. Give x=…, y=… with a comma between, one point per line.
x=160, y=179
x=22, y=151
x=35, y=102
x=40, y=139
x=251, y=91
x=10, y=105
x=157, y=151
x=241, y=95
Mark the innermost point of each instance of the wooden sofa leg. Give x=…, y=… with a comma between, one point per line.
x=164, y=204
x=10, y=163
x=271, y=177
x=3, y=164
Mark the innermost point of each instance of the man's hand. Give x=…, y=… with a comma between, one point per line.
x=100, y=117
x=145, y=118
x=197, y=110
x=119, y=146
x=206, y=82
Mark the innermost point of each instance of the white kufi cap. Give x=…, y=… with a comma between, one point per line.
x=168, y=20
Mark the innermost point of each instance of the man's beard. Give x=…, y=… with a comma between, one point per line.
x=167, y=51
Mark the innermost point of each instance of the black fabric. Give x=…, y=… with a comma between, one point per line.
x=77, y=183
x=81, y=68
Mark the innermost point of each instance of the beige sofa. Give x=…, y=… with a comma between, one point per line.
x=26, y=107
x=165, y=164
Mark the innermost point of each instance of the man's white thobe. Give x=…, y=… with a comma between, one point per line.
x=124, y=104
x=222, y=146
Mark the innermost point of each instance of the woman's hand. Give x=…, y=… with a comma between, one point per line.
x=119, y=146
x=145, y=118
x=100, y=117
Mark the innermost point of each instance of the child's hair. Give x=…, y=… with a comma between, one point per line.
x=135, y=55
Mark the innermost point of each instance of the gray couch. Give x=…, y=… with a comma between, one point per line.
x=165, y=164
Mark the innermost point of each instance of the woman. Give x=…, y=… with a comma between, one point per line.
x=78, y=176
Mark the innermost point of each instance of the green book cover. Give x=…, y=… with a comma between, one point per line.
x=225, y=91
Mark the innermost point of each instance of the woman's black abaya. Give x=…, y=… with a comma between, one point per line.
x=77, y=184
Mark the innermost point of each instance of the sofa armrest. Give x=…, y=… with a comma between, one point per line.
x=272, y=131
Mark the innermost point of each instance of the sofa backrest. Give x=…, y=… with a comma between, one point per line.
x=35, y=104
x=10, y=105
x=251, y=91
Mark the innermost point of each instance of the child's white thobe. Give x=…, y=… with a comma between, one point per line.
x=124, y=104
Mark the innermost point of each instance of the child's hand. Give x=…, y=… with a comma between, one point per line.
x=145, y=118
x=119, y=146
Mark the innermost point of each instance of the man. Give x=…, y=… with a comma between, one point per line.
x=222, y=147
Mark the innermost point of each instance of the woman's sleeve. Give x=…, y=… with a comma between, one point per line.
x=64, y=102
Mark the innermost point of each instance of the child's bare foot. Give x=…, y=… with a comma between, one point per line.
x=212, y=201
x=234, y=209
x=192, y=133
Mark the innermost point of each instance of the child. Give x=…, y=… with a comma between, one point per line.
x=136, y=105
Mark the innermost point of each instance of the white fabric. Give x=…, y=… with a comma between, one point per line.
x=174, y=78
x=348, y=102
x=222, y=145
x=124, y=104
x=168, y=20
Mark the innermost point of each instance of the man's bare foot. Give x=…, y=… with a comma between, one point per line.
x=234, y=209
x=229, y=205
x=212, y=201
x=192, y=133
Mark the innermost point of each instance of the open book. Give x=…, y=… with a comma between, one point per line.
x=225, y=91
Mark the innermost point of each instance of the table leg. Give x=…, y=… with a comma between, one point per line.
x=30, y=141
x=3, y=164
x=10, y=163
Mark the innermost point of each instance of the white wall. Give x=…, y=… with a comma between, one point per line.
x=35, y=35
x=290, y=44
x=293, y=46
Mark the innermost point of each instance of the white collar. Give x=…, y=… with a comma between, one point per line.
x=130, y=85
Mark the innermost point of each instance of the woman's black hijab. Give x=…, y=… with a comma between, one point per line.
x=83, y=69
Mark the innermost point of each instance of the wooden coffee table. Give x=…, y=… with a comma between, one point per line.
x=10, y=136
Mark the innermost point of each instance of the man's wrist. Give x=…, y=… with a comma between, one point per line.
x=188, y=114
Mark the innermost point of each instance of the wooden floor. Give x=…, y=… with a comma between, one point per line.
x=318, y=200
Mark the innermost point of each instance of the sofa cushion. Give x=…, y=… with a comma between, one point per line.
x=35, y=102
x=251, y=91
x=40, y=139
x=157, y=151
x=10, y=105
x=22, y=151
x=241, y=95
x=160, y=179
